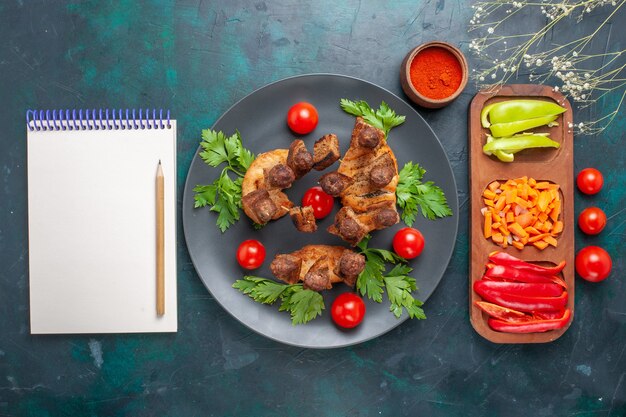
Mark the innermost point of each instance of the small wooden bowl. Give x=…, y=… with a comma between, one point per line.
x=409, y=89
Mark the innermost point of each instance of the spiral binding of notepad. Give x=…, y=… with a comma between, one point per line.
x=97, y=119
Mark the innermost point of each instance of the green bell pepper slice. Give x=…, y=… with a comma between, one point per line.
x=517, y=110
x=504, y=148
x=502, y=130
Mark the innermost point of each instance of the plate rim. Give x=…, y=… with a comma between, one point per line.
x=404, y=317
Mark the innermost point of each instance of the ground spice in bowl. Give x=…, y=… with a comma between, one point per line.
x=436, y=73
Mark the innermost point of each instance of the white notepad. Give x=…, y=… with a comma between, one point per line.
x=92, y=222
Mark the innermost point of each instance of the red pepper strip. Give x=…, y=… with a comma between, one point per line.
x=549, y=315
x=503, y=313
x=514, y=274
x=532, y=326
x=502, y=258
x=520, y=302
x=490, y=265
x=522, y=288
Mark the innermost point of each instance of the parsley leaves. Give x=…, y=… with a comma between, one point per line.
x=413, y=194
x=304, y=305
x=373, y=281
x=384, y=118
x=224, y=194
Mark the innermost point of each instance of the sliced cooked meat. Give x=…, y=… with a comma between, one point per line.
x=334, y=183
x=287, y=268
x=318, y=276
x=366, y=182
x=281, y=176
x=348, y=227
x=303, y=219
x=350, y=264
x=368, y=136
x=385, y=218
x=259, y=206
x=299, y=158
x=325, y=152
x=382, y=171
x=318, y=266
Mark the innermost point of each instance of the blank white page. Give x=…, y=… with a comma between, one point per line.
x=92, y=230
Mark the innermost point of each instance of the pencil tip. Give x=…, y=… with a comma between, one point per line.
x=159, y=162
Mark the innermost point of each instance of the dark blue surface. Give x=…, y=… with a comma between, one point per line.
x=198, y=58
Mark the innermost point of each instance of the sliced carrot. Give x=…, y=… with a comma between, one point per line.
x=554, y=214
x=532, y=231
x=547, y=226
x=500, y=203
x=489, y=194
x=487, y=229
x=543, y=200
x=550, y=240
x=557, y=227
x=493, y=186
x=517, y=230
x=524, y=219
x=525, y=209
x=510, y=195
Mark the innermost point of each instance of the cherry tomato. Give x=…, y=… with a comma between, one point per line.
x=321, y=202
x=589, y=181
x=408, y=243
x=251, y=254
x=592, y=220
x=348, y=310
x=302, y=118
x=593, y=263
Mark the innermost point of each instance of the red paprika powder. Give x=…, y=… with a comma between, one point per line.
x=436, y=73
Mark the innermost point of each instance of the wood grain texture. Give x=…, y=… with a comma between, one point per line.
x=554, y=165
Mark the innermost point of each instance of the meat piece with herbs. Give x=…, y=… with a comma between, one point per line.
x=319, y=266
x=366, y=182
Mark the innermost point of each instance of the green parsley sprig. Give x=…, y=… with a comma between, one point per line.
x=303, y=305
x=224, y=194
x=412, y=194
x=374, y=280
x=384, y=118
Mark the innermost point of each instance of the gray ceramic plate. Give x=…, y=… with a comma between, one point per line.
x=260, y=117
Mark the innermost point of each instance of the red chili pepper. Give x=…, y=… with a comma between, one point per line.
x=522, y=288
x=531, y=326
x=520, y=302
x=511, y=273
x=503, y=313
x=502, y=258
x=549, y=315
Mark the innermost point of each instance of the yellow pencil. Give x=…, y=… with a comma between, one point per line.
x=160, y=249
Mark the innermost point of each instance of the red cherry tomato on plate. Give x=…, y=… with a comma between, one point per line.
x=251, y=254
x=589, y=181
x=348, y=310
x=321, y=202
x=592, y=220
x=593, y=263
x=302, y=118
x=408, y=243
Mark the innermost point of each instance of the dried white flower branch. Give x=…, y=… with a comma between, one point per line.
x=571, y=64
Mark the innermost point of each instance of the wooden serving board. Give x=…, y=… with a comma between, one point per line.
x=554, y=165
